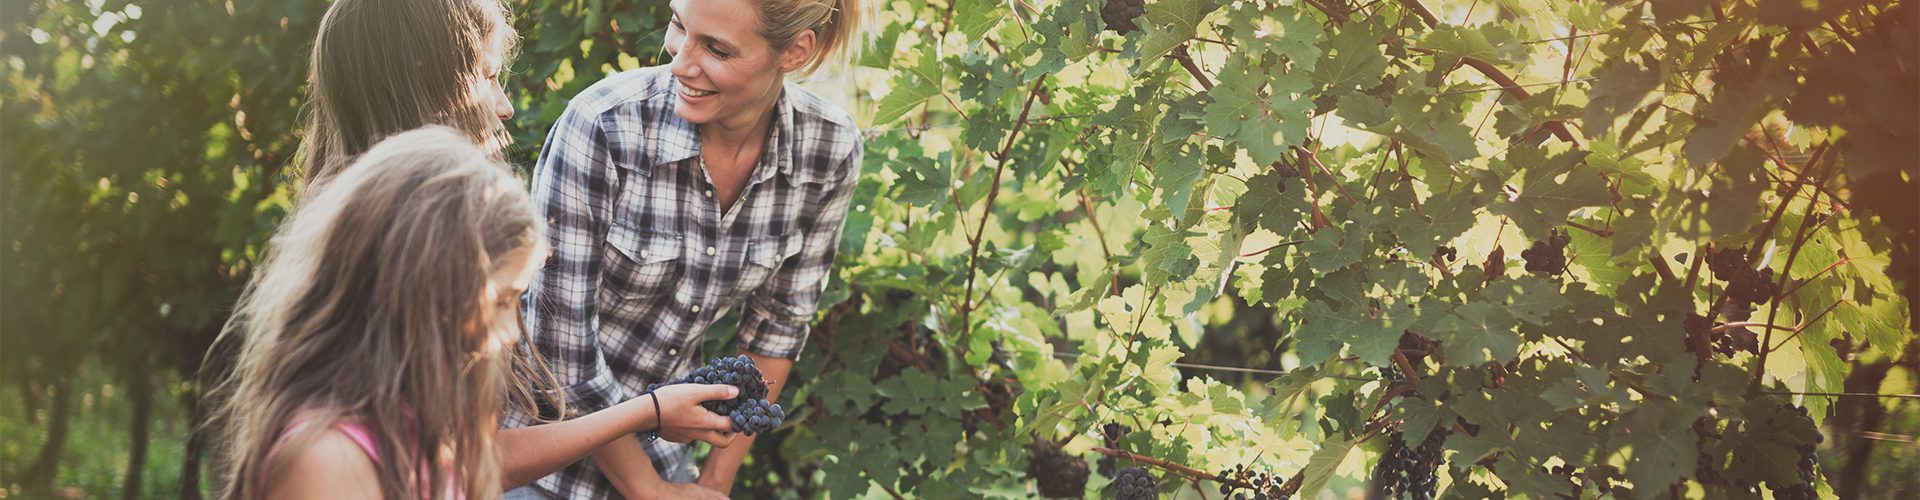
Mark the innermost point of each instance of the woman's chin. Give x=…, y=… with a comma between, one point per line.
x=691, y=113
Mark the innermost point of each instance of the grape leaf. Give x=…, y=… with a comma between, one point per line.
x=1320, y=467
x=1356, y=60
x=1263, y=122
x=1494, y=42
x=1477, y=332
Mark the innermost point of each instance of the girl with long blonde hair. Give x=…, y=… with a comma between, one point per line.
x=379, y=337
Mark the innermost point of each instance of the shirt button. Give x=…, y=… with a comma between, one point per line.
x=710, y=251
x=673, y=352
x=709, y=193
x=696, y=309
x=643, y=254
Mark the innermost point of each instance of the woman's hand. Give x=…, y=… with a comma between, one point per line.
x=683, y=419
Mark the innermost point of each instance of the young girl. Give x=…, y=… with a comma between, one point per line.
x=378, y=337
x=380, y=67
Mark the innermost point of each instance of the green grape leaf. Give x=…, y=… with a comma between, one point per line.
x=1493, y=43
x=1169, y=23
x=1321, y=465
x=1476, y=332
x=910, y=87
x=1356, y=61
x=1263, y=122
x=1552, y=187
x=1618, y=87
x=1530, y=298
x=1659, y=431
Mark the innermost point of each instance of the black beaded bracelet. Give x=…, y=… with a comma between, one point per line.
x=658, y=421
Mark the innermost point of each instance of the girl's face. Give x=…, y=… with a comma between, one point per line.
x=724, y=67
x=511, y=276
x=487, y=90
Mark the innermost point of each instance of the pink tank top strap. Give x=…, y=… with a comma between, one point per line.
x=359, y=433
x=360, y=436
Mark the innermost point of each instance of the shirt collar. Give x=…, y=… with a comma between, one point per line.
x=677, y=139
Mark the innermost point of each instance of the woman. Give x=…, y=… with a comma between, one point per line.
x=680, y=191
x=378, y=334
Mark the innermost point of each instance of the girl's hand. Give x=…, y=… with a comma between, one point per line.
x=683, y=419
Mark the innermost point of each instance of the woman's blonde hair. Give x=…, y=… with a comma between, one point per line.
x=368, y=308
x=835, y=25
x=380, y=67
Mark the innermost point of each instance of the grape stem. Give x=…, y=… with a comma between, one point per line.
x=986, y=212
x=1744, y=324
x=1799, y=240
x=1492, y=72
x=1186, y=61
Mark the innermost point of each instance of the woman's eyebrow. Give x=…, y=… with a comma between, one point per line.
x=703, y=37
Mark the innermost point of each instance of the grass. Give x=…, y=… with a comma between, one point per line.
x=98, y=442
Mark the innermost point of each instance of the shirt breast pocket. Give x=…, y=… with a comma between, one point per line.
x=765, y=257
x=642, y=265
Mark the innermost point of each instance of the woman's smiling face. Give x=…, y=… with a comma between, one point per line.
x=724, y=67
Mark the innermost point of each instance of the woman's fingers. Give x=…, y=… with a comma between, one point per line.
x=717, y=439
x=704, y=392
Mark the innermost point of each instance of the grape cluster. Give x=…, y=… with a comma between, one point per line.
x=1286, y=172
x=1548, y=257
x=1804, y=489
x=1245, y=483
x=1135, y=483
x=1409, y=472
x=757, y=416
x=1058, y=474
x=1110, y=435
x=1725, y=342
x=1446, y=253
x=1119, y=15
x=750, y=411
x=1745, y=285
x=1415, y=348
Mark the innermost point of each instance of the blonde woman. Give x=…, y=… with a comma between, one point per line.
x=677, y=192
x=379, y=333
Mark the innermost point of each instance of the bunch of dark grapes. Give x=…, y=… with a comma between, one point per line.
x=1415, y=348
x=1446, y=253
x=1804, y=489
x=1119, y=15
x=1135, y=483
x=1409, y=473
x=1548, y=257
x=1245, y=483
x=757, y=416
x=750, y=411
x=1286, y=172
x=1725, y=342
x=1058, y=474
x=1110, y=435
x=1745, y=285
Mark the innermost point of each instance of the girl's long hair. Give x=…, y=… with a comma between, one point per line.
x=369, y=308
x=381, y=67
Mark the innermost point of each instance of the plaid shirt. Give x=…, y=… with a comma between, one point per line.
x=644, y=260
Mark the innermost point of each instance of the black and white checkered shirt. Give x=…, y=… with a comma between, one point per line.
x=644, y=260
